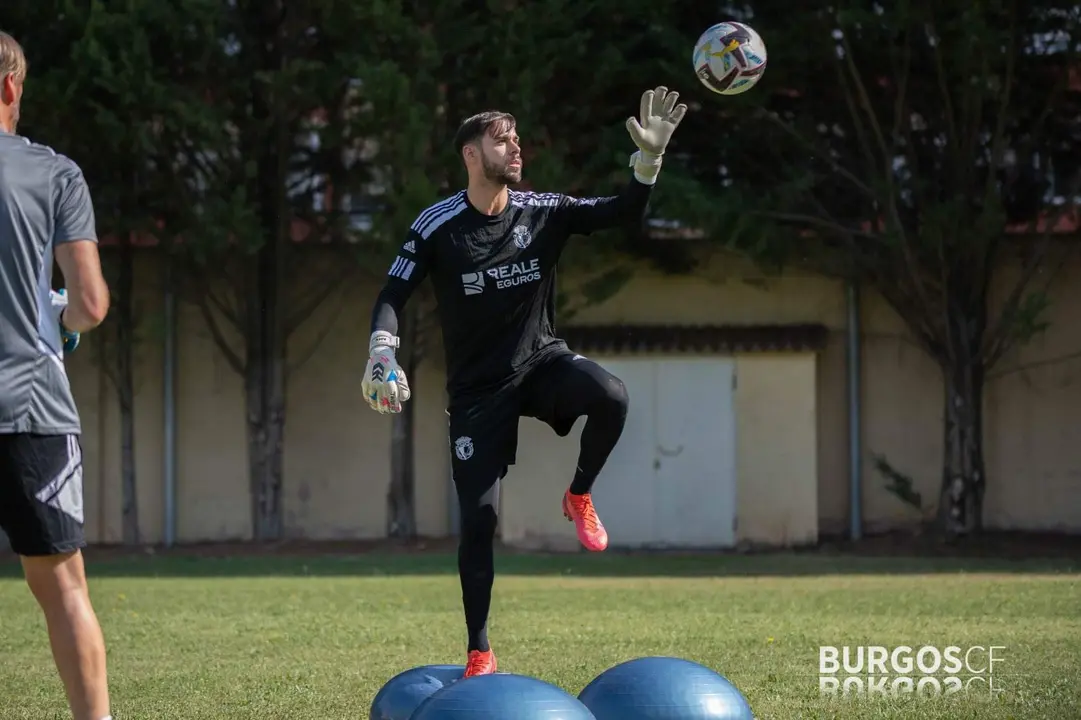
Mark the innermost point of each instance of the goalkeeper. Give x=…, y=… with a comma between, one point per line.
x=491, y=254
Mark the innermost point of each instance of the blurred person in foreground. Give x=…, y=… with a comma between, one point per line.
x=46, y=213
x=491, y=254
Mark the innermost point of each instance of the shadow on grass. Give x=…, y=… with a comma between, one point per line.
x=439, y=558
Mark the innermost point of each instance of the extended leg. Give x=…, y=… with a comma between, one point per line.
x=476, y=569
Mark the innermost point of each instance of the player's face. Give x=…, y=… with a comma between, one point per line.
x=501, y=157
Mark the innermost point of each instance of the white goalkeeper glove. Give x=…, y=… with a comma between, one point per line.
x=652, y=130
x=385, y=386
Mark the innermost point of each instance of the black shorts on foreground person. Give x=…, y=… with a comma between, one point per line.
x=41, y=493
x=491, y=255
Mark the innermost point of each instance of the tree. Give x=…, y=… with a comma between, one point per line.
x=127, y=87
x=124, y=95
x=918, y=148
x=280, y=195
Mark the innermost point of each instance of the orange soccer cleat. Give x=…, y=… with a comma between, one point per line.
x=480, y=663
x=580, y=510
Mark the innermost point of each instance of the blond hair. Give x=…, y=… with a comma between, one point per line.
x=12, y=58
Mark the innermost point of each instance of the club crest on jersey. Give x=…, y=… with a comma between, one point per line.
x=463, y=448
x=521, y=236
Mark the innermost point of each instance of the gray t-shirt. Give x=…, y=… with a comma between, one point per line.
x=44, y=201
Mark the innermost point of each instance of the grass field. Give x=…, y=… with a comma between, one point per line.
x=315, y=638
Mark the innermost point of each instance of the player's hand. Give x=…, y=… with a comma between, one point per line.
x=385, y=386
x=59, y=300
x=659, y=116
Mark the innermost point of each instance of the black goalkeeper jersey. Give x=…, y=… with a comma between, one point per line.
x=494, y=278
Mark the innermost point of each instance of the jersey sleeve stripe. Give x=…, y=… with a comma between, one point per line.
x=434, y=210
x=402, y=268
x=531, y=199
x=531, y=194
x=445, y=214
x=431, y=210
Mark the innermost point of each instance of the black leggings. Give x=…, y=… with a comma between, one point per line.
x=476, y=563
x=558, y=393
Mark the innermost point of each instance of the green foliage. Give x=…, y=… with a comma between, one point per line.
x=917, y=148
x=110, y=104
x=902, y=137
x=570, y=73
x=895, y=143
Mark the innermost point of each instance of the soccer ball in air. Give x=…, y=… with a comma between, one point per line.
x=729, y=58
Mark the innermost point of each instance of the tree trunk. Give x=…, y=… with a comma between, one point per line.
x=265, y=392
x=963, y=480
x=125, y=386
x=266, y=436
x=265, y=366
x=401, y=506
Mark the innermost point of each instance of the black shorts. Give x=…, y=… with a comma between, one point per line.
x=484, y=433
x=41, y=493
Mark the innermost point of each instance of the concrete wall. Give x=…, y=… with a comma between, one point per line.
x=336, y=450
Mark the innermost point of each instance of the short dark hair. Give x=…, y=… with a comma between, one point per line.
x=494, y=122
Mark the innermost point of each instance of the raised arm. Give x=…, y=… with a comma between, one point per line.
x=583, y=216
x=659, y=116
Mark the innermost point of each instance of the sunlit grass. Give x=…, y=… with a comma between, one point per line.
x=316, y=638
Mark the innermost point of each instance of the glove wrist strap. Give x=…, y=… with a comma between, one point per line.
x=646, y=166
x=381, y=338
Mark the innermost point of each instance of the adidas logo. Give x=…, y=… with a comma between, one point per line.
x=410, y=247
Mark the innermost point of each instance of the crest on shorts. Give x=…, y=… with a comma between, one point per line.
x=463, y=448
x=521, y=236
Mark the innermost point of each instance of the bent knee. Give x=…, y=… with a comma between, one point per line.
x=613, y=398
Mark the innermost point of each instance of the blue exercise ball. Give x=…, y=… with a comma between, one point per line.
x=404, y=692
x=663, y=688
x=502, y=697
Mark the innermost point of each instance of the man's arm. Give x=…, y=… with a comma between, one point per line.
x=584, y=216
x=385, y=385
x=659, y=116
x=406, y=273
x=75, y=246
